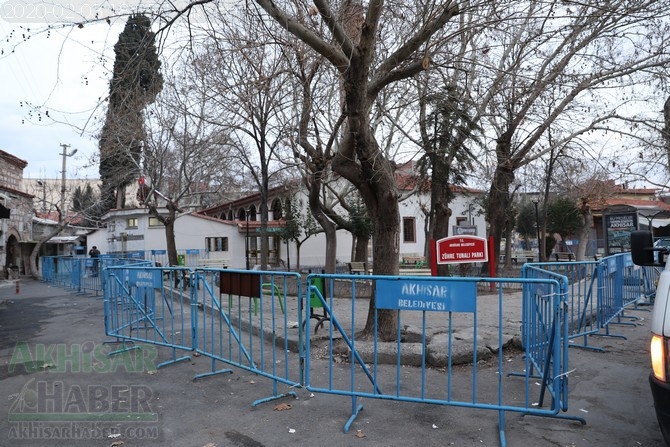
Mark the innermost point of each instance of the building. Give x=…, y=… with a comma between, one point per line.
x=16, y=213
x=231, y=231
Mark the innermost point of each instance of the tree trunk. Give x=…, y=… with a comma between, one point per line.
x=498, y=204
x=361, y=249
x=170, y=241
x=583, y=233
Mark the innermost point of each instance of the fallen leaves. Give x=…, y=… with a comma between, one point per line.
x=282, y=407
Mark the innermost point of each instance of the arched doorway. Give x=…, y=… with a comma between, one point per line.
x=13, y=256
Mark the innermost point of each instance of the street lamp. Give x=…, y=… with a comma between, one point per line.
x=65, y=154
x=43, y=185
x=537, y=225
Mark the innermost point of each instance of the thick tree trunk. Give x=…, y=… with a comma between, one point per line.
x=361, y=249
x=583, y=233
x=498, y=204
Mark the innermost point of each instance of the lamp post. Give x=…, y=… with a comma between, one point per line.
x=62, y=187
x=537, y=225
x=42, y=184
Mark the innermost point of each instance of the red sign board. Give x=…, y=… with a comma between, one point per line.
x=461, y=249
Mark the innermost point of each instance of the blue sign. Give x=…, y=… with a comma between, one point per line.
x=146, y=278
x=431, y=295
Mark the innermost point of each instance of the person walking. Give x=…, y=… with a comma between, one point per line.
x=94, y=253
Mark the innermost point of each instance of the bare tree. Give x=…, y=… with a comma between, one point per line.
x=247, y=74
x=364, y=73
x=186, y=160
x=550, y=54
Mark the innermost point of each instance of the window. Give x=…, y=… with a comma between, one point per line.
x=408, y=229
x=154, y=222
x=131, y=222
x=216, y=243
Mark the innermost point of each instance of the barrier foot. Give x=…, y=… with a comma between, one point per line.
x=566, y=417
x=172, y=361
x=589, y=347
x=353, y=417
x=125, y=349
x=271, y=398
x=118, y=340
x=608, y=334
x=212, y=373
x=501, y=428
x=585, y=345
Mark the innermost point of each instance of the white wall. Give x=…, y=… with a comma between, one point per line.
x=191, y=231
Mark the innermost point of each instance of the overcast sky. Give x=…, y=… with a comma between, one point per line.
x=62, y=73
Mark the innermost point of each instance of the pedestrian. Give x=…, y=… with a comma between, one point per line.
x=94, y=253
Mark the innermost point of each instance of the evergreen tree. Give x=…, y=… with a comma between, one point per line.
x=563, y=217
x=85, y=202
x=136, y=81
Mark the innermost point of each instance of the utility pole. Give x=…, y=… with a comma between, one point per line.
x=62, y=185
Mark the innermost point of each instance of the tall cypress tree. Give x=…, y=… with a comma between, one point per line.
x=136, y=81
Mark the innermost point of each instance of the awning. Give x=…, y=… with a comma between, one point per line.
x=658, y=223
x=63, y=240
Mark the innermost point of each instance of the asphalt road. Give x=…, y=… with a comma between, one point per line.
x=73, y=375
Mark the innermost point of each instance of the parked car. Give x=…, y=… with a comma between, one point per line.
x=646, y=252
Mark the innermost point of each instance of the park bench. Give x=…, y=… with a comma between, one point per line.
x=416, y=261
x=564, y=257
x=523, y=256
x=213, y=263
x=358, y=268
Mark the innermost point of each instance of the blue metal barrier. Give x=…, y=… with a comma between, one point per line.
x=48, y=269
x=244, y=322
x=82, y=274
x=258, y=321
x=150, y=305
x=455, y=303
x=650, y=276
x=581, y=291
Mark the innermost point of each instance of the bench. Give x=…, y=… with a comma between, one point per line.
x=524, y=256
x=564, y=257
x=213, y=263
x=414, y=272
x=417, y=261
x=176, y=274
x=358, y=268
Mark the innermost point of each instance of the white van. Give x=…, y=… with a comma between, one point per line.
x=644, y=253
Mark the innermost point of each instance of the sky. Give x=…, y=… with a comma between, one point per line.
x=60, y=72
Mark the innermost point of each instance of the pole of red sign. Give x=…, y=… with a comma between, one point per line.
x=492, y=261
x=433, y=257
x=17, y=286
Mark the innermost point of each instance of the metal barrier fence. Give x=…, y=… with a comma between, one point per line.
x=582, y=292
x=244, y=322
x=81, y=274
x=600, y=292
x=189, y=257
x=471, y=323
x=544, y=337
x=149, y=305
x=650, y=276
x=263, y=322
x=621, y=286
x=238, y=318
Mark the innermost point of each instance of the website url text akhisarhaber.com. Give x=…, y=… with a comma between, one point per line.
x=79, y=431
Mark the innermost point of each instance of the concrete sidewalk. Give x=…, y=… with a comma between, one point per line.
x=54, y=364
